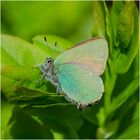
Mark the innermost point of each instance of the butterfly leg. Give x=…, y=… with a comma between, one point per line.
x=58, y=90
x=42, y=77
x=89, y=105
x=96, y=102
x=81, y=107
x=42, y=68
x=39, y=81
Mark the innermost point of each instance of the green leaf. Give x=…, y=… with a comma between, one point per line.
x=53, y=45
x=63, y=119
x=6, y=112
x=19, y=74
x=87, y=131
x=123, y=96
x=91, y=114
x=125, y=25
x=6, y=133
x=107, y=131
x=95, y=114
x=98, y=19
x=32, y=129
x=136, y=112
x=125, y=114
x=122, y=33
x=116, y=13
x=19, y=52
x=123, y=90
x=20, y=83
x=131, y=132
x=126, y=37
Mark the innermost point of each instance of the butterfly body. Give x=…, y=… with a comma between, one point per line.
x=76, y=72
x=49, y=73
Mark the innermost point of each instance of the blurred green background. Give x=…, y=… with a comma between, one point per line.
x=116, y=115
x=72, y=20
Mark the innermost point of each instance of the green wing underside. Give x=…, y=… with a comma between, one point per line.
x=80, y=85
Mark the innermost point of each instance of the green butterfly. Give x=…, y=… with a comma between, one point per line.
x=76, y=72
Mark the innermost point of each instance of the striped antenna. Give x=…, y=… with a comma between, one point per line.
x=51, y=53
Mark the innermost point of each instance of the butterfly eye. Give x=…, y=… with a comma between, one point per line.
x=49, y=60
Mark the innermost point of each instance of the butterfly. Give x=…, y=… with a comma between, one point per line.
x=76, y=72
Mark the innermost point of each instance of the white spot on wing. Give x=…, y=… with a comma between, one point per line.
x=90, y=73
x=85, y=91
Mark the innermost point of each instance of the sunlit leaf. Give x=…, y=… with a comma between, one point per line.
x=52, y=45
x=20, y=77
x=22, y=52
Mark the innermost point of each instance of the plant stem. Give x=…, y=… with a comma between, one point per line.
x=110, y=78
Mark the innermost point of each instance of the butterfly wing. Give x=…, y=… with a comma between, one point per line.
x=80, y=85
x=91, y=55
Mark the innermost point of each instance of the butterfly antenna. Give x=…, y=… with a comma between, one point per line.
x=55, y=44
x=48, y=47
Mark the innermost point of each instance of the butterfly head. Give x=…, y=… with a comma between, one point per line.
x=48, y=62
